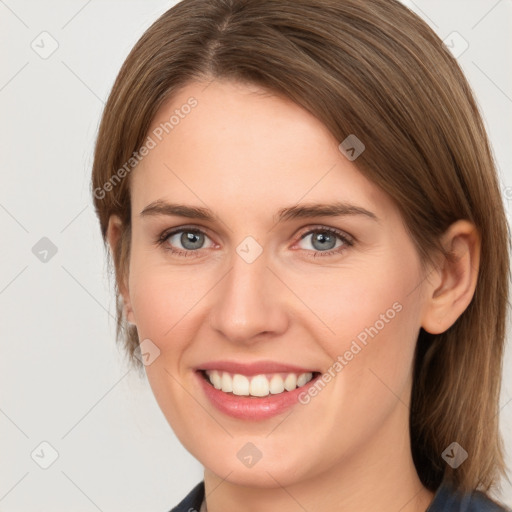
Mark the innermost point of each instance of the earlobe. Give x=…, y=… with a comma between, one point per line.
x=113, y=236
x=453, y=290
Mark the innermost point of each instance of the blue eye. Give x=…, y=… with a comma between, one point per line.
x=327, y=241
x=191, y=240
x=188, y=242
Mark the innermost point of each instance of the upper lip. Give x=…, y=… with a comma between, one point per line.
x=254, y=368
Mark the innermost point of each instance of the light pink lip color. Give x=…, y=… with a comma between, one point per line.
x=247, y=407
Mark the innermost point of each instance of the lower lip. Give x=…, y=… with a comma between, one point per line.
x=251, y=408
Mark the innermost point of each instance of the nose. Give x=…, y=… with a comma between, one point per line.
x=248, y=303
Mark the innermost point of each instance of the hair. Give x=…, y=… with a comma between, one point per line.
x=375, y=69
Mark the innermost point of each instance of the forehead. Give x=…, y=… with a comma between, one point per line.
x=241, y=142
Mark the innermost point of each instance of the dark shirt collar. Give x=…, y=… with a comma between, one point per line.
x=446, y=499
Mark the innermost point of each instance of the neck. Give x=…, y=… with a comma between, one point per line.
x=379, y=474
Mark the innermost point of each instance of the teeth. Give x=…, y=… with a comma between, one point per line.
x=303, y=378
x=216, y=379
x=276, y=384
x=290, y=383
x=240, y=385
x=258, y=385
x=226, y=383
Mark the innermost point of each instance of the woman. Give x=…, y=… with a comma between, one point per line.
x=311, y=254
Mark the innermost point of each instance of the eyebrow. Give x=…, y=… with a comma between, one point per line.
x=336, y=209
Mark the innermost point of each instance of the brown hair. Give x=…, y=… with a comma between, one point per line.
x=374, y=69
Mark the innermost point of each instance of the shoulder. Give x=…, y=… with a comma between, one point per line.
x=192, y=501
x=447, y=499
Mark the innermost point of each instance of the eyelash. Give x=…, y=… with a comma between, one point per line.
x=347, y=241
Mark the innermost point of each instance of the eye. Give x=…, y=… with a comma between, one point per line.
x=184, y=241
x=325, y=241
x=321, y=241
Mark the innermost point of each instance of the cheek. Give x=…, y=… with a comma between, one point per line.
x=162, y=295
x=376, y=302
x=153, y=302
x=373, y=317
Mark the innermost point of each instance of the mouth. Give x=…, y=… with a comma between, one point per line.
x=257, y=386
x=254, y=391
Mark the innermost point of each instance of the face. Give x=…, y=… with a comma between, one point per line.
x=285, y=274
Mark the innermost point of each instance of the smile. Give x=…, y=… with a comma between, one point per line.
x=256, y=385
x=256, y=390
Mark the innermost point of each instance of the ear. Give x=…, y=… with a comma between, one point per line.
x=453, y=282
x=114, y=233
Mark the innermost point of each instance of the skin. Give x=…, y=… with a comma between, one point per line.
x=245, y=154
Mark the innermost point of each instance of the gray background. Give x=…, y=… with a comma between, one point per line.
x=63, y=380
